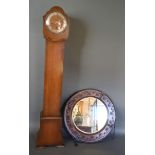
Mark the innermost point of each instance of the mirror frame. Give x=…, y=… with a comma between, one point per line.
x=72, y=129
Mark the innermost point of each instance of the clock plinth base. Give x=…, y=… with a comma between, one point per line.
x=50, y=132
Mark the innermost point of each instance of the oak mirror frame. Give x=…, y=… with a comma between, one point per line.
x=89, y=115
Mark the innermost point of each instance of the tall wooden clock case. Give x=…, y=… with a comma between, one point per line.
x=56, y=31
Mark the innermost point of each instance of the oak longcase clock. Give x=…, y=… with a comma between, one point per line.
x=56, y=31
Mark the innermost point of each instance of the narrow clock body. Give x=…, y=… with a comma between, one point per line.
x=56, y=31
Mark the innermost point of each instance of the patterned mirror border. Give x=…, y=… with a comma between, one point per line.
x=94, y=137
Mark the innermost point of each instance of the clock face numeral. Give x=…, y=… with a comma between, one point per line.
x=56, y=22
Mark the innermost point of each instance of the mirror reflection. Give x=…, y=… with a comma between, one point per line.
x=89, y=115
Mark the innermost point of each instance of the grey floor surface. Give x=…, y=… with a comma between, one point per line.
x=110, y=146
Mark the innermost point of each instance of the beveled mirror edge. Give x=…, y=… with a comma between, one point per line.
x=95, y=137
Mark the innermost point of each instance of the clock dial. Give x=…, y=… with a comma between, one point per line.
x=56, y=22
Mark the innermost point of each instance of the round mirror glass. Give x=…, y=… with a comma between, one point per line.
x=89, y=115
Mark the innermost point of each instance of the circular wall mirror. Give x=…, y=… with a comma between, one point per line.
x=89, y=115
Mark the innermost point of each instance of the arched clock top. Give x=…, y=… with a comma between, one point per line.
x=56, y=24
